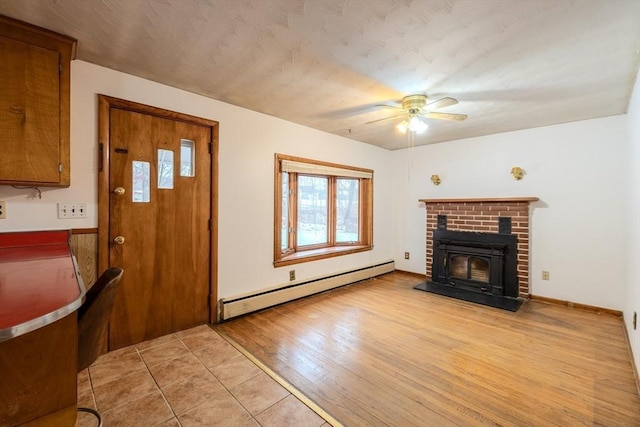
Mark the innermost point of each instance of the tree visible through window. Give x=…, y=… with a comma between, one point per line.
x=322, y=209
x=347, y=211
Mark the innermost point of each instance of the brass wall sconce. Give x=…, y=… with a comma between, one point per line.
x=517, y=173
x=435, y=179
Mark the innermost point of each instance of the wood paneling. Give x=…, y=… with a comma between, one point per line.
x=84, y=244
x=381, y=353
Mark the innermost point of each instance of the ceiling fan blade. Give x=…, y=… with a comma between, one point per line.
x=446, y=116
x=393, y=107
x=386, y=118
x=441, y=103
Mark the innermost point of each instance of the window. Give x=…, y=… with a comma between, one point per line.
x=321, y=209
x=187, y=153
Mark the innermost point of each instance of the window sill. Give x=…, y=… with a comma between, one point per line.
x=316, y=254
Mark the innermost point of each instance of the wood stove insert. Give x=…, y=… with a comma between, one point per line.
x=484, y=263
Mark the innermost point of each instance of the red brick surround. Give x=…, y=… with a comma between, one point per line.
x=481, y=215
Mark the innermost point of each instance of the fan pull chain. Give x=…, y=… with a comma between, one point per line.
x=410, y=138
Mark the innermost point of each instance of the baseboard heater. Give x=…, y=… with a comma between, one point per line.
x=242, y=304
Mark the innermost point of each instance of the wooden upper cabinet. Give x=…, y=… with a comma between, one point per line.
x=34, y=105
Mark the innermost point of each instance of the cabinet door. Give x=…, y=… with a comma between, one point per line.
x=29, y=113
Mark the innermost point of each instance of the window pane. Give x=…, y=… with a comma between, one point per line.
x=284, y=239
x=187, y=158
x=347, y=211
x=165, y=169
x=312, y=210
x=141, y=182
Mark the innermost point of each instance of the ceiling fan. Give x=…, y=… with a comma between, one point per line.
x=415, y=107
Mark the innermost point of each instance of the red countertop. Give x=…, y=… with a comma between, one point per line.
x=39, y=281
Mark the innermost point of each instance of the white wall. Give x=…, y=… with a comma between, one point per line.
x=248, y=141
x=575, y=169
x=577, y=228
x=632, y=294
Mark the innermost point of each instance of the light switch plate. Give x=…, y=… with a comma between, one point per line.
x=71, y=210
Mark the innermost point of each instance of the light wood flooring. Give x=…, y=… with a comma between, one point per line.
x=380, y=353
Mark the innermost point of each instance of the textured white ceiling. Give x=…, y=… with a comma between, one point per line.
x=326, y=63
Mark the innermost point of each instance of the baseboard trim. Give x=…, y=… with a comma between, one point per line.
x=585, y=307
x=421, y=276
x=247, y=303
x=633, y=361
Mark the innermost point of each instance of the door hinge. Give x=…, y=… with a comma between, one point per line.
x=210, y=148
x=209, y=224
x=59, y=67
x=60, y=167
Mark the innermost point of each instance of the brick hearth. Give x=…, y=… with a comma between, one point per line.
x=481, y=215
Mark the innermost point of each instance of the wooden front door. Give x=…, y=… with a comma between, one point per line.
x=159, y=219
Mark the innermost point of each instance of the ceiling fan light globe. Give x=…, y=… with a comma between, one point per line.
x=403, y=126
x=417, y=125
x=422, y=127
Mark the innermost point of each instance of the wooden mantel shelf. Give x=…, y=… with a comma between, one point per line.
x=479, y=200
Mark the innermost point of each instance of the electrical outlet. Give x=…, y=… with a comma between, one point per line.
x=406, y=255
x=72, y=210
x=292, y=275
x=3, y=209
x=545, y=275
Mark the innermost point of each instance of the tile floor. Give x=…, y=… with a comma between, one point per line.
x=190, y=378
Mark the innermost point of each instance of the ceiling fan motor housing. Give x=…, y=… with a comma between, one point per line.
x=414, y=103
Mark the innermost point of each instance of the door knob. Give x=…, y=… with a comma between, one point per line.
x=119, y=191
x=118, y=240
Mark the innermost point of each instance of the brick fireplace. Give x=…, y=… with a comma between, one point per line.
x=483, y=216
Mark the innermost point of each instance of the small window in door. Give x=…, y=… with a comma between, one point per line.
x=187, y=158
x=165, y=169
x=141, y=182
